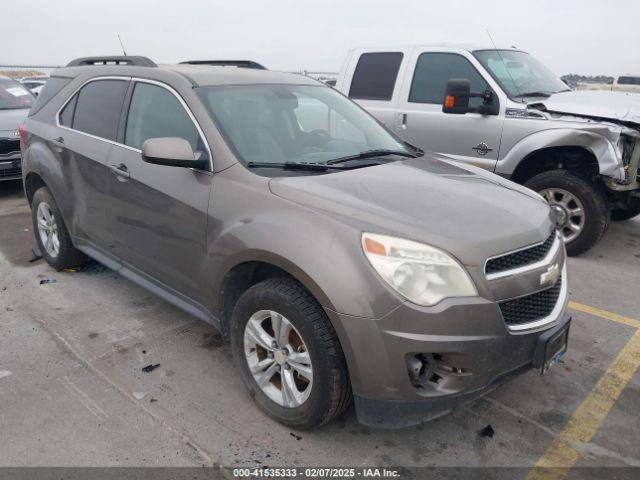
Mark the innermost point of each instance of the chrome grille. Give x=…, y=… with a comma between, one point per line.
x=531, y=308
x=520, y=258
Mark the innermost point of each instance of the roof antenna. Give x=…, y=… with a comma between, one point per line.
x=502, y=60
x=121, y=44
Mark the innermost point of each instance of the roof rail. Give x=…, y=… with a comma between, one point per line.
x=135, y=61
x=227, y=63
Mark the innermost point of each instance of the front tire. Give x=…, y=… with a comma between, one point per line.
x=289, y=355
x=581, y=207
x=51, y=232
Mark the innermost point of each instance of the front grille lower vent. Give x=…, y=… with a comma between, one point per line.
x=9, y=145
x=531, y=308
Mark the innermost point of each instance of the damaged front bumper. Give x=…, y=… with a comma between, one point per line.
x=515, y=355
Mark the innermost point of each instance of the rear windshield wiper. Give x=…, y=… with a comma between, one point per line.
x=295, y=166
x=371, y=154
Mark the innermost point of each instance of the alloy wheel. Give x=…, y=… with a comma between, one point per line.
x=569, y=211
x=48, y=230
x=278, y=358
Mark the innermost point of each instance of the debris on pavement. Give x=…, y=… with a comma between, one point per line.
x=150, y=368
x=5, y=373
x=297, y=437
x=139, y=395
x=46, y=281
x=487, y=431
x=153, y=400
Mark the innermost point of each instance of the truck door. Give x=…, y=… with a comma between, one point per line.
x=472, y=137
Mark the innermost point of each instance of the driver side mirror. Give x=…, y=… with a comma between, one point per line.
x=171, y=152
x=456, y=97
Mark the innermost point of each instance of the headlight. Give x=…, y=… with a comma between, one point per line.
x=422, y=274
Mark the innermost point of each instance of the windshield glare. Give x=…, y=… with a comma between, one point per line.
x=519, y=74
x=293, y=123
x=14, y=95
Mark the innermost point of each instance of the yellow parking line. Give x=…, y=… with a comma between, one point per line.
x=558, y=459
x=614, y=317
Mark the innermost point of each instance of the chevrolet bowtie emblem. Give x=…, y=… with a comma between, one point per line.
x=551, y=276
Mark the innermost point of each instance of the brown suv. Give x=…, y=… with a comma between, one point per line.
x=338, y=259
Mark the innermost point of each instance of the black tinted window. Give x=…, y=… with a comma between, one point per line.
x=375, y=76
x=156, y=113
x=98, y=108
x=629, y=81
x=66, y=115
x=433, y=70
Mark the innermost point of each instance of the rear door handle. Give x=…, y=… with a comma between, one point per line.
x=120, y=170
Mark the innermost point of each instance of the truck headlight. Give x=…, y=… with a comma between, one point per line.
x=422, y=274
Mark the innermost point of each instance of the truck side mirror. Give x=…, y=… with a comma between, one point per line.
x=456, y=96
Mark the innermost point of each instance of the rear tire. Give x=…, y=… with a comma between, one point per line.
x=622, y=214
x=329, y=389
x=587, y=198
x=51, y=232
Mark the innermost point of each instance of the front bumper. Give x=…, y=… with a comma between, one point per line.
x=467, y=347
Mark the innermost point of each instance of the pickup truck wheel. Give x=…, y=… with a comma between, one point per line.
x=51, y=233
x=289, y=355
x=620, y=214
x=581, y=207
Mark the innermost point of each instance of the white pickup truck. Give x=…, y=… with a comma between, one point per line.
x=622, y=83
x=504, y=111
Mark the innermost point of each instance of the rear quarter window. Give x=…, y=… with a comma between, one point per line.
x=51, y=88
x=375, y=76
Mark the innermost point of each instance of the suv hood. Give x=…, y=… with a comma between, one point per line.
x=467, y=211
x=598, y=104
x=11, y=119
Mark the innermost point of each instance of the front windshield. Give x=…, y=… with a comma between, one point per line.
x=277, y=124
x=14, y=95
x=519, y=74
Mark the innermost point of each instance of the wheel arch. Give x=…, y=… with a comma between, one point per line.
x=574, y=158
x=32, y=182
x=592, y=145
x=253, y=267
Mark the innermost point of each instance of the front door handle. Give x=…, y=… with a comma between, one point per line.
x=120, y=170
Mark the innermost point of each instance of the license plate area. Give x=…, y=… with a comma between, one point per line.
x=551, y=346
x=554, y=349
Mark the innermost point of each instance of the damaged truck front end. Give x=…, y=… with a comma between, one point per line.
x=608, y=125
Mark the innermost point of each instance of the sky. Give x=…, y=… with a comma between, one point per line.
x=570, y=36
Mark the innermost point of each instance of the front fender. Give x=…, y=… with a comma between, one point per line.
x=322, y=254
x=598, y=140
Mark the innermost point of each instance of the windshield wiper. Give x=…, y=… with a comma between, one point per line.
x=534, y=94
x=295, y=166
x=370, y=154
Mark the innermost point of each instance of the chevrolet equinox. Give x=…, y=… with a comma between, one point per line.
x=342, y=263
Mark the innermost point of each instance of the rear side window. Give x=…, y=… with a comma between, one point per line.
x=51, y=88
x=375, y=76
x=98, y=107
x=433, y=70
x=66, y=115
x=156, y=113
